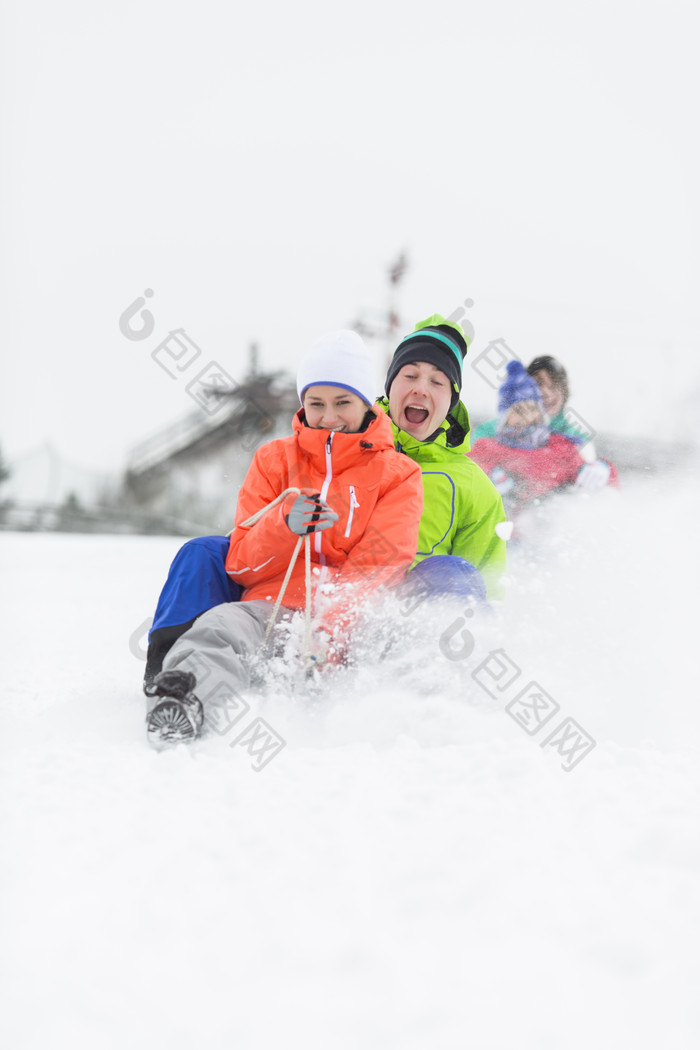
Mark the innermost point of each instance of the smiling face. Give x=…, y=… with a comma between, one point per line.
x=419, y=399
x=551, y=391
x=334, y=408
x=524, y=414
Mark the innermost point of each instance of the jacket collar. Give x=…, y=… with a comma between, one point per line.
x=452, y=434
x=346, y=448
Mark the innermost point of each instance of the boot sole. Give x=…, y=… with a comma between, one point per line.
x=169, y=724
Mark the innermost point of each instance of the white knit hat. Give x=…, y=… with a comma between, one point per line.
x=339, y=359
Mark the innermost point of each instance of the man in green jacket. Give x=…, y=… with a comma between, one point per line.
x=461, y=507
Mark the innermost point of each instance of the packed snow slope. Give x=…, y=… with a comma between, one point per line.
x=414, y=869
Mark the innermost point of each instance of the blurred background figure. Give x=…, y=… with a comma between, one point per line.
x=526, y=458
x=553, y=382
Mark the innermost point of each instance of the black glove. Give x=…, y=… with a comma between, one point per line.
x=310, y=514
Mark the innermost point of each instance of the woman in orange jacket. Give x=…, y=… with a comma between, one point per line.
x=337, y=480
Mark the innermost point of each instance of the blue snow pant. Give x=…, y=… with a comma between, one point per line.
x=197, y=581
x=446, y=574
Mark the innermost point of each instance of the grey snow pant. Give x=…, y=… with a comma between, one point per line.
x=214, y=650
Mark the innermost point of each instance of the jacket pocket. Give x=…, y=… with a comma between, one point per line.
x=351, y=512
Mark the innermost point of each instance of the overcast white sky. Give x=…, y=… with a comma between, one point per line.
x=258, y=167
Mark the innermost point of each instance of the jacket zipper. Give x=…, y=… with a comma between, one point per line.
x=324, y=491
x=353, y=504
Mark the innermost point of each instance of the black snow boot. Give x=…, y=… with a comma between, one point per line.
x=177, y=717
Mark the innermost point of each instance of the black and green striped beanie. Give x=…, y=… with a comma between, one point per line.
x=437, y=341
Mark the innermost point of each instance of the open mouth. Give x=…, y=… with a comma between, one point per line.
x=415, y=414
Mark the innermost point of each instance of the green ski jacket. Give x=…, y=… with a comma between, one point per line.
x=461, y=507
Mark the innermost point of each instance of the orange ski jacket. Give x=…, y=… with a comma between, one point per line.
x=376, y=492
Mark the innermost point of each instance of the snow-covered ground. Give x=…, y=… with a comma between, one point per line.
x=413, y=869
